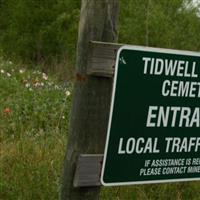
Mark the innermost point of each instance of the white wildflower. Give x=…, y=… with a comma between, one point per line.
x=27, y=85
x=30, y=89
x=63, y=117
x=2, y=71
x=44, y=76
x=8, y=75
x=42, y=84
x=37, y=84
x=67, y=93
x=21, y=71
x=10, y=62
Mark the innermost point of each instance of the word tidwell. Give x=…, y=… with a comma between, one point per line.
x=167, y=67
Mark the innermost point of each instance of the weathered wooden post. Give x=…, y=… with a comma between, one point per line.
x=90, y=109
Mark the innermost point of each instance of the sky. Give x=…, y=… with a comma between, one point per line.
x=196, y=2
x=192, y=4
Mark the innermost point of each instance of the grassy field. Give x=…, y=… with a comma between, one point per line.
x=34, y=113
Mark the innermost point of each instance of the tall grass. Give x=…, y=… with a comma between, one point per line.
x=34, y=115
x=172, y=191
x=30, y=167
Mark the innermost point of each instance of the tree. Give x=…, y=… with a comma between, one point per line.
x=90, y=109
x=38, y=31
x=168, y=24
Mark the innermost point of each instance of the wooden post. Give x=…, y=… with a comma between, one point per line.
x=91, y=101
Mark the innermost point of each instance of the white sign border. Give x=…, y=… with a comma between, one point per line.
x=146, y=49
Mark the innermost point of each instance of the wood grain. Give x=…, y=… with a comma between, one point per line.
x=88, y=170
x=101, y=60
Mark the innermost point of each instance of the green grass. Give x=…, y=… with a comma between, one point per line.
x=34, y=115
x=172, y=191
x=31, y=167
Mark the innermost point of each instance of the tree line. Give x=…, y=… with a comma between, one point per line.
x=46, y=30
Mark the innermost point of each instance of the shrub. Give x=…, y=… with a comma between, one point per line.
x=39, y=31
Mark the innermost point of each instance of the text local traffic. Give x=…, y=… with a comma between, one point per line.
x=178, y=68
x=143, y=145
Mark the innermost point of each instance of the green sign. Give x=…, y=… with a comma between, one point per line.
x=154, y=126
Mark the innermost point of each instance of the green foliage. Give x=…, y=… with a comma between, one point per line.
x=34, y=113
x=35, y=100
x=39, y=31
x=173, y=191
x=30, y=167
x=45, y=31
x=160, y=23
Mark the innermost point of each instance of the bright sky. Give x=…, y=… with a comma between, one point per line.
x=197, y=2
